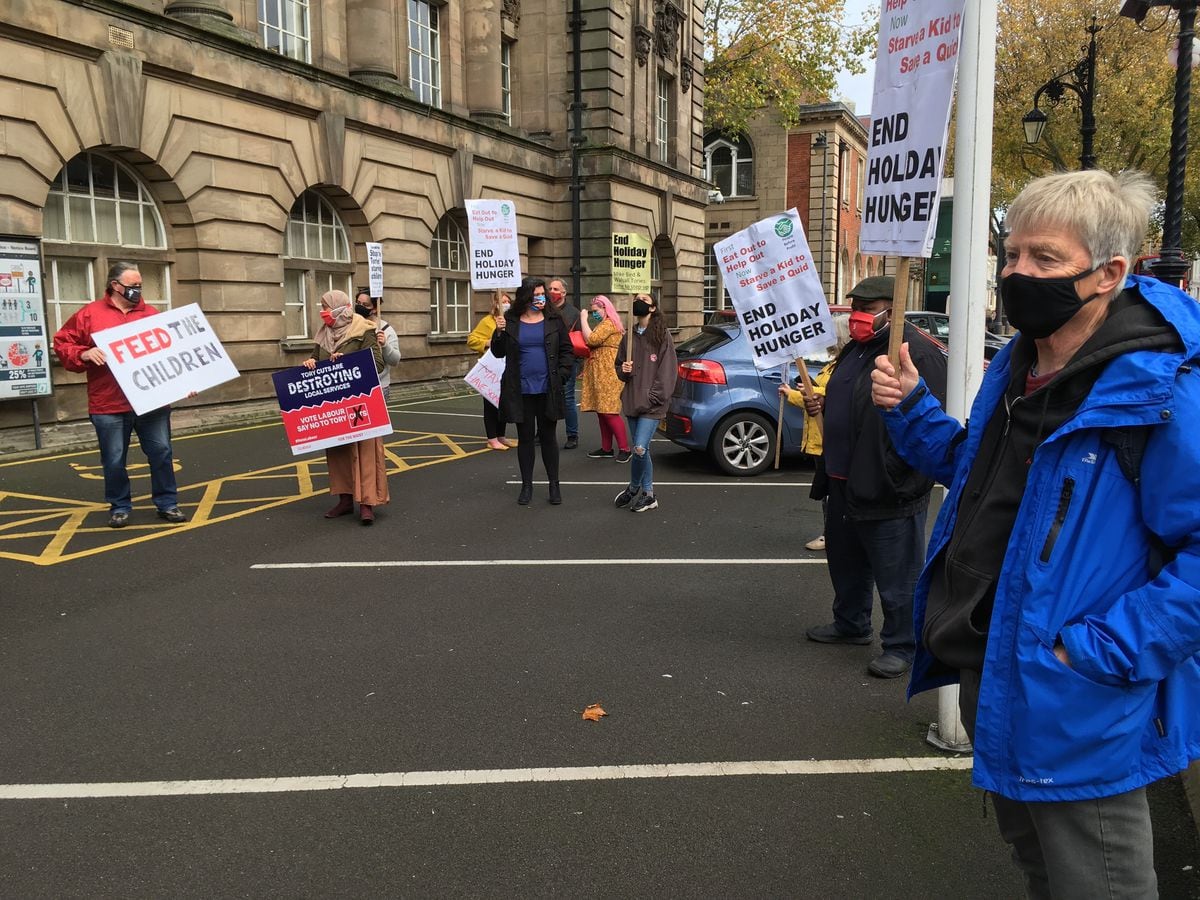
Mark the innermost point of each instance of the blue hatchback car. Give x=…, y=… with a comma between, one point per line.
x=725, y=407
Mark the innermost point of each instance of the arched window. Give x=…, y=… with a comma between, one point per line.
x=729, y=164
x=449, y=280
x=98, y=212
x=316, y=259
x=662, y=279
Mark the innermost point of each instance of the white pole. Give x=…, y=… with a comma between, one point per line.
x=969, y=256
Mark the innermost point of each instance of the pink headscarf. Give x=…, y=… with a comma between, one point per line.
x=610, y=312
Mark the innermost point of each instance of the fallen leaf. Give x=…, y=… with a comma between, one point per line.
x=593, y=713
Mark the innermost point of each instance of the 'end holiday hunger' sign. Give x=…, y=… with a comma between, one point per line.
x=910, y=118
x=336, y=403
x=775, y=290
x=630, y=263
x=165, y=357
x=495, y=254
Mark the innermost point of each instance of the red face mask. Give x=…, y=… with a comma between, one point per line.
x=327, y=317
x=862, y=326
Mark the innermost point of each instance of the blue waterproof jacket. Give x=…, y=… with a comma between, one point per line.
x=1127, y=710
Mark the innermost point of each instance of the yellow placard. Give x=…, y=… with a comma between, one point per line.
x=630, y=263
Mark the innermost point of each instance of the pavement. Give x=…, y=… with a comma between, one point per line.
x=264, y=703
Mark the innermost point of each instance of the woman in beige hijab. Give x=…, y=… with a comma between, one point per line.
x=358, y=471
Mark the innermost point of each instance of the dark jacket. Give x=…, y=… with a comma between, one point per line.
x=559, y=359
x=881, y=485
x=649, y=387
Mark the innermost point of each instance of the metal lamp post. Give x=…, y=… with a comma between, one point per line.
x=822, y=143
x=1080, y=80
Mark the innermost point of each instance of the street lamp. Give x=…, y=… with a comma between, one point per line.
x=1172, y=267
x=1080, y=80
x=822, y=143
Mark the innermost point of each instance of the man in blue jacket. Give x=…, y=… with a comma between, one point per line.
x=1062, y=582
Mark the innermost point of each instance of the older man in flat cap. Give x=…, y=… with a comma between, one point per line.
x=875, y=523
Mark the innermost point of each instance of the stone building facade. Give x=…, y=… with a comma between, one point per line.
x=819, y=167
x=244, y=151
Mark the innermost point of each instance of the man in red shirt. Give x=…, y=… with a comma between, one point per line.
x=108, y=408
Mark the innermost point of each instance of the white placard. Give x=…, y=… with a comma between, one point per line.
x=163, y=358
x=24, y=343
x=485, y=377
x=375, y=269
x=775, y=290
x=495, y=253
x=910, y=119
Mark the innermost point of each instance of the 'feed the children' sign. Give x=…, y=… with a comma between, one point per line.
x=775, y=290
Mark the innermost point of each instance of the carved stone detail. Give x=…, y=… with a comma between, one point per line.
x=643, y=40
x=511, y=10
x=668, y=19
x=685, y=75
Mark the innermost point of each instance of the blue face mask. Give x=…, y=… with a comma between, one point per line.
x=539, y=303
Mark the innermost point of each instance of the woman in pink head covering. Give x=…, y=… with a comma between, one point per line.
x=358, y=471
x=602, y=388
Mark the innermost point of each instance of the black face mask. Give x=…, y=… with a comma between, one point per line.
x=1039, y=307
x=365, y=311
x=133, y=295
x=641, y=308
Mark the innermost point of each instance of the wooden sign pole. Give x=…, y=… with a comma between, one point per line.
x=899, y=303
x=779, y=421
x=810, y=391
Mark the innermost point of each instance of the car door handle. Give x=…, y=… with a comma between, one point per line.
x=773, y=376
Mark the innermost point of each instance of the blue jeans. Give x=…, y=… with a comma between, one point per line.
x=571, y=413
x=641, y=468
x=154, y=434
x=869, y=555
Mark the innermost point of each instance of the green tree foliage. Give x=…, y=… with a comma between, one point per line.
x=785, y=53
x=1039, y=39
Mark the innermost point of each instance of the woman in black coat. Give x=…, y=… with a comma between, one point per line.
x=532, y=339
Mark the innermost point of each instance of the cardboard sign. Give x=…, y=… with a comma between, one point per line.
x=336, y=403
x=775, y=290
x=630, y=264
x=485, y=377
x=375, y=269
x=24, y=348
x=910, y=119
x=163, y=358
x=495, y=252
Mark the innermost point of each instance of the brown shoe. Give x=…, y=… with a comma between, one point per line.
x=366, y=514
x=343, y=507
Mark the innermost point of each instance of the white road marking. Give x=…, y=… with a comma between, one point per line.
x=470, y=563
x=426, y=412
x=622, y=483
x=467, y=394
x=455, y=777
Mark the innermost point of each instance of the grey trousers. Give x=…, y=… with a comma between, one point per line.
x=1076, y=849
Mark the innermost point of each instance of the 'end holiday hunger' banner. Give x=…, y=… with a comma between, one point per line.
x=630, y=264
x=495, y=254
x=336, y=403
x=775, y=290
x=165, y=357
x=910, y=119
x=24, y=348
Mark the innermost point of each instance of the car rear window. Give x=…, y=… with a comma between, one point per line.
x=709, y=338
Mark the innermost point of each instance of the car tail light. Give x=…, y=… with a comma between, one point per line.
x=684, y=423
x=704, y=371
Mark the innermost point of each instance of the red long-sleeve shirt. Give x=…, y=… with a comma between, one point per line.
x=75, y=337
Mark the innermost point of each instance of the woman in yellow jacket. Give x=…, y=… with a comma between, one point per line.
x=479, y=340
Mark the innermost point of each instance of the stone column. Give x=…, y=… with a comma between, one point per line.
x=371, y=34
x=212, y=15
x=483, y=35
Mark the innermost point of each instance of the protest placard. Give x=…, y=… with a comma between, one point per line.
x=630, y=263
x=375, y=269
x=775, y=290
x=338, y=402
x=165, y=357
x=910, y=119
x=495, y=252
x=485, y=377
x=24, y=347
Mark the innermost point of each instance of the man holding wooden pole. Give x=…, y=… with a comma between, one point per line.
x=875, y=528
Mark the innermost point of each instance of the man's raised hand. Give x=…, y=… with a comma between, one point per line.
x=886, y=389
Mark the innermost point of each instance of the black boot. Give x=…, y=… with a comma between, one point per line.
x=526, y=493
x=555, y=493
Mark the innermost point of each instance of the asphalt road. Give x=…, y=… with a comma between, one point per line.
x=179, y=663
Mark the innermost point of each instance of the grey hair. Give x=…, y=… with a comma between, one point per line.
x=559, y=279
x=116, y=270
x=1109, y=213
x=841, y=328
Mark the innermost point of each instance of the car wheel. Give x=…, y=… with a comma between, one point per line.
x=744, y=444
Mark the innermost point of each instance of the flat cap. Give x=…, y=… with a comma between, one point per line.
x=877, y=287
